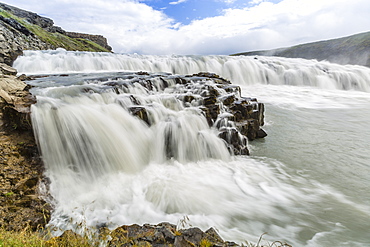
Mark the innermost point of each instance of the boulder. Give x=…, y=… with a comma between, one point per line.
x=15, y=100
x=164, y=234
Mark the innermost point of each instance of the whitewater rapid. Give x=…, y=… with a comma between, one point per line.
x=241, y=70
x=306, y=183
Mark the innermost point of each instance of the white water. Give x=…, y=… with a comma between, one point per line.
x=306, y=183
x=240, y=70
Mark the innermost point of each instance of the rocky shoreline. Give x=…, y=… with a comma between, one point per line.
x=162, y=234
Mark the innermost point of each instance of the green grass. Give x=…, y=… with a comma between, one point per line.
x=35, y=239
x=56, y=39
x=39, y=239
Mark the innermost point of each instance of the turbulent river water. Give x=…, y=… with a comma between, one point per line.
x=307, y=183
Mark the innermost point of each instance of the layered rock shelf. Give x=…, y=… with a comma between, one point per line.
x=237, y=118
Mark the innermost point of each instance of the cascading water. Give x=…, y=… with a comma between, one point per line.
x=241, y=70
x=306, y=183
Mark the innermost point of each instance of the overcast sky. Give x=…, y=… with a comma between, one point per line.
x=205, y=26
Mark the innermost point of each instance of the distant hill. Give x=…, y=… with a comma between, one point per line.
x=353, y=49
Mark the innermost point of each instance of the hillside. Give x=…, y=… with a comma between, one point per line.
x=23, y=30
x=353, y=49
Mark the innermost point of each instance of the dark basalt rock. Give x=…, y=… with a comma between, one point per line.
x=237, y=141
x=214, y=96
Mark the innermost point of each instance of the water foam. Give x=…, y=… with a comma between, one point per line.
x=241, y=70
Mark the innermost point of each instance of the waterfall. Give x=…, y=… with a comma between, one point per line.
x=89, y=131
x=242, y=70
x=122, y=146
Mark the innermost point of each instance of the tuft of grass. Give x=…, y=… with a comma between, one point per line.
x=20, y=239
x=29, y=238
x=205, y=243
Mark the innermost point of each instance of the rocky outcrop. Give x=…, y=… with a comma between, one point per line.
x=23, y=30
x=99, y=39
x=15, y=100
x=30, y=17
x=20, y=165
x=13, y=41
x=237, y=118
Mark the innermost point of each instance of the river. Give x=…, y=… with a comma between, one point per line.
x=306, y=183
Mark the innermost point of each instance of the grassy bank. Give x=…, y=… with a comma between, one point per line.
x=38, y=239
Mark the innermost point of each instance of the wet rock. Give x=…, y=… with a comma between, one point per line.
x=209, y=100
x=228, y=99
x=140, y=112
x=214, y=96
x=24, y=77
x=188, y=98
x=232, y=89
x=261, y=133
x=236, y=141
x=142, y=73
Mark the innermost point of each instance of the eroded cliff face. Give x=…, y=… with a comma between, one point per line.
x=23, y=30
x=29, y=16
x=13, y=42
x=99, y=39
